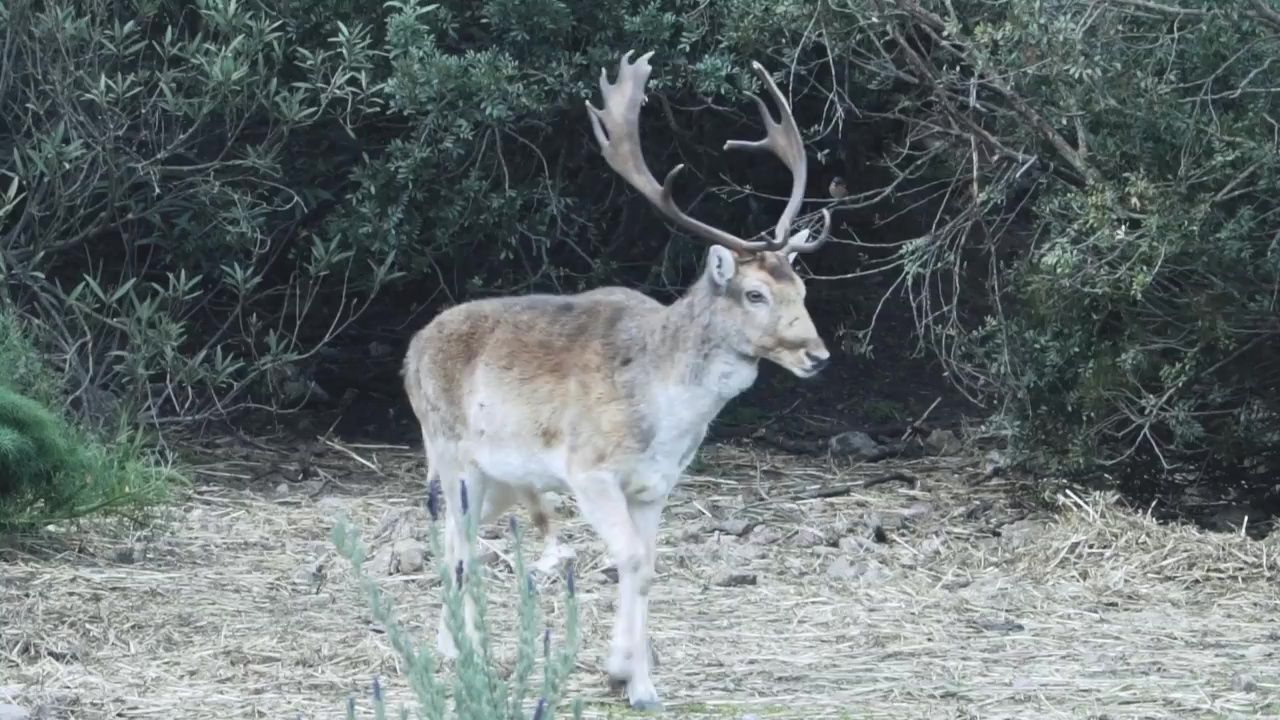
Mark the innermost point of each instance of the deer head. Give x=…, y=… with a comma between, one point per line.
x=758, y=308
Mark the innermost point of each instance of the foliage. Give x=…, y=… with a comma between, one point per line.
x=1077, y=201
x=1109, y=169
x=49, y=470
x=148, y=193
x=478, y=690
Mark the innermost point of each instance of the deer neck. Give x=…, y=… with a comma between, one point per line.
x=695, y=351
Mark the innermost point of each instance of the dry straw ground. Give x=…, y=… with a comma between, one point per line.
x=974, y=601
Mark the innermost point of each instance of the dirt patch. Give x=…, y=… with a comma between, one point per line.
x=913, y=592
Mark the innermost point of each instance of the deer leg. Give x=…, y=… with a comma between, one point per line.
x=553, y=552
x=603, y=504
x=457, y=547
x=638, y=656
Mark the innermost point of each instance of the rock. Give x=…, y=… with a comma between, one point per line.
x=857, y=444
x=765, y=535
x=943, y=442
x=13, y=712
x=330, y=503
x=931, y=546
x=865, y=570
x=281, y=490
x=405, y=555
x=729, y=578
x=410, y=555
x=1003, y=627
x=312, y=574
x=311, y=488
x=130, y=554
x=1243, y=682
x=856, y=544
x=994, y=463
x=735, y=526
x=811, y=537
x=1019, y=533
x=917, y=511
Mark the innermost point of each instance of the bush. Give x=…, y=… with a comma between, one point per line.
x=1077, y=201
x=1098, y=256
x=49, y=470
x=478, y=690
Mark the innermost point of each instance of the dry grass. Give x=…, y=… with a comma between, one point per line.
x=239, y=608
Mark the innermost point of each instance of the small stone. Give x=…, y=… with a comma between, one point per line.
x=858, y=444
x=917, y=511
x=865, y=570
x=1001, y=626
x=735, y=526
x=765, y=535
x=858, y=545
x=690, y=535
x=931, y=546
x=410, y=556
x=995, y=463
x=1019, y=533
x=13, y=712
x=137, y=552
x=729, y=578
x=1243, y=682
x=943, y=442
x=810, y=537
x=330, y=503
x=281, y=490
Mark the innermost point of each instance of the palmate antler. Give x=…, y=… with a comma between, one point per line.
x=617, y=129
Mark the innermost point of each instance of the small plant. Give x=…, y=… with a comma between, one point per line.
x=50, y=469
x=478, y=689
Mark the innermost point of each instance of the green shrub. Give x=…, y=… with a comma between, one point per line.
x=1099, y=261
x=49, y=469
x=478, y=691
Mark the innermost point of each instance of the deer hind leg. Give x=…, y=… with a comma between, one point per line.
x=453, y=473
x=553, y=551
x=604, y=505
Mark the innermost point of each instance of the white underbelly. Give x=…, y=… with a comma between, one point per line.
x=544, y=470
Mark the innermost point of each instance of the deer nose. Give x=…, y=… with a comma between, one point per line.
x=817, y=361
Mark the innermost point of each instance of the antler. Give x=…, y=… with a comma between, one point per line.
x=784, y=141
x=620, y=119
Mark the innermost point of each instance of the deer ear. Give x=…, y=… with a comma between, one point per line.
x=721, y=265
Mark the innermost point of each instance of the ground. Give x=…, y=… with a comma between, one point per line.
x=901, y=589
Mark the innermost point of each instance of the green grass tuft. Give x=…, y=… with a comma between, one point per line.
x=478, y=690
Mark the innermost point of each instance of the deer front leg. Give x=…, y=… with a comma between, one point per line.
x=633, y=660
x=603, y=504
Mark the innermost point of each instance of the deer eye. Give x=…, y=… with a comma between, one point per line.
x=755, y=296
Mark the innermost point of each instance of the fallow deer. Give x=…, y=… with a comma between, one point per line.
x=607, y=394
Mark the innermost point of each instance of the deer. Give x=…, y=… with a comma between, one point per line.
x=607, y=394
